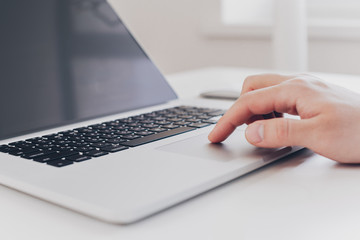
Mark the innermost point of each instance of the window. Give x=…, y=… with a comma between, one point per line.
x=234, y=12
x=326, y=18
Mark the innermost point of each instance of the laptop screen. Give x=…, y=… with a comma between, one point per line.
x=63, y=61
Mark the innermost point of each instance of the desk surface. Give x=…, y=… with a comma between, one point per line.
x=305, y=196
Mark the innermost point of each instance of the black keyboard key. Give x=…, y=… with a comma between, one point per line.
x=37, y=153
x=175, y=119
x=16, y=152
x=210, y=121
x=150, y=125
x=121, y=128
x=109, y=136
x=139, y=117
x=208, y=110
x=147, y=121
x=95, y=153
x=184, y=107
x=193, y=120
x=182, y=123
x=104, y=131
x=77, y=138
x=161, y=112
x=186, y=116
x=66, y=133
x=155, y=137
x=114, y=148
x=30, y=140
x=100, y=144
x=84, y=148
x=144, y=133
x=90, y=135
x=16, y=143
x=85, y=130
x=127, y=120
x=52, y=136
x=113, y=123
x=59, y=163
x=94, y=140
x=21, y=151
x=138, y=129
x=24, y=145
x=78, y=144
x=43, y=141
x=159, y=118
x=199, y=125
x=204, y=117
x=170, y=126
x=152, y=114
x=115, y=140
x=64, y=148
x=5, y=148
x=131, y=137
x=99, y=126
x=54, y=156
x=159, y=129
x=126, y=132
x=217, y=113
x=197, y=114
x=163, y=122
x=46, y=146
x=78, y=158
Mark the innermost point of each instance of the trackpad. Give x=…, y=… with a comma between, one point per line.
x=234, y=148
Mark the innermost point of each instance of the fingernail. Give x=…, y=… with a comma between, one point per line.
x=255, y=133
x=211, y=134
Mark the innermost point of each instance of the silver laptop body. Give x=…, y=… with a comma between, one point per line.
x=69, y=64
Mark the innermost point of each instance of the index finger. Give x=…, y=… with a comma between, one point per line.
x=255, y=82
x=277, y=98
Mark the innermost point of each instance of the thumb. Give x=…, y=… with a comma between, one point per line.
x=277, y=132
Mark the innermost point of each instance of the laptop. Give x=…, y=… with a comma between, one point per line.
x=89, y=123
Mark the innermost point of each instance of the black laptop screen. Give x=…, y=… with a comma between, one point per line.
x=63, y=61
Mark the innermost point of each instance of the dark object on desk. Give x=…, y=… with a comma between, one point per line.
x=221, y=94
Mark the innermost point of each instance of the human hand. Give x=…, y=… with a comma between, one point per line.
x=329, y=121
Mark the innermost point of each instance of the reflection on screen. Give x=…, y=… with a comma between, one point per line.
x=64, y=61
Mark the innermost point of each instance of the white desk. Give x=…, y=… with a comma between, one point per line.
x=302, y=197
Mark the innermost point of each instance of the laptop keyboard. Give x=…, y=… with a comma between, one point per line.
x=81, y=144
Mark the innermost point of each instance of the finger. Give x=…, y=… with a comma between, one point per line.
x=279, y=132
x=262, y=81
x=278, y=98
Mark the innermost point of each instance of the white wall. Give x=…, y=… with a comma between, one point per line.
x=171, y=33
x=339, y=56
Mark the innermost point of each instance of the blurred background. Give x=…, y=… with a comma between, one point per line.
x=189, y=34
